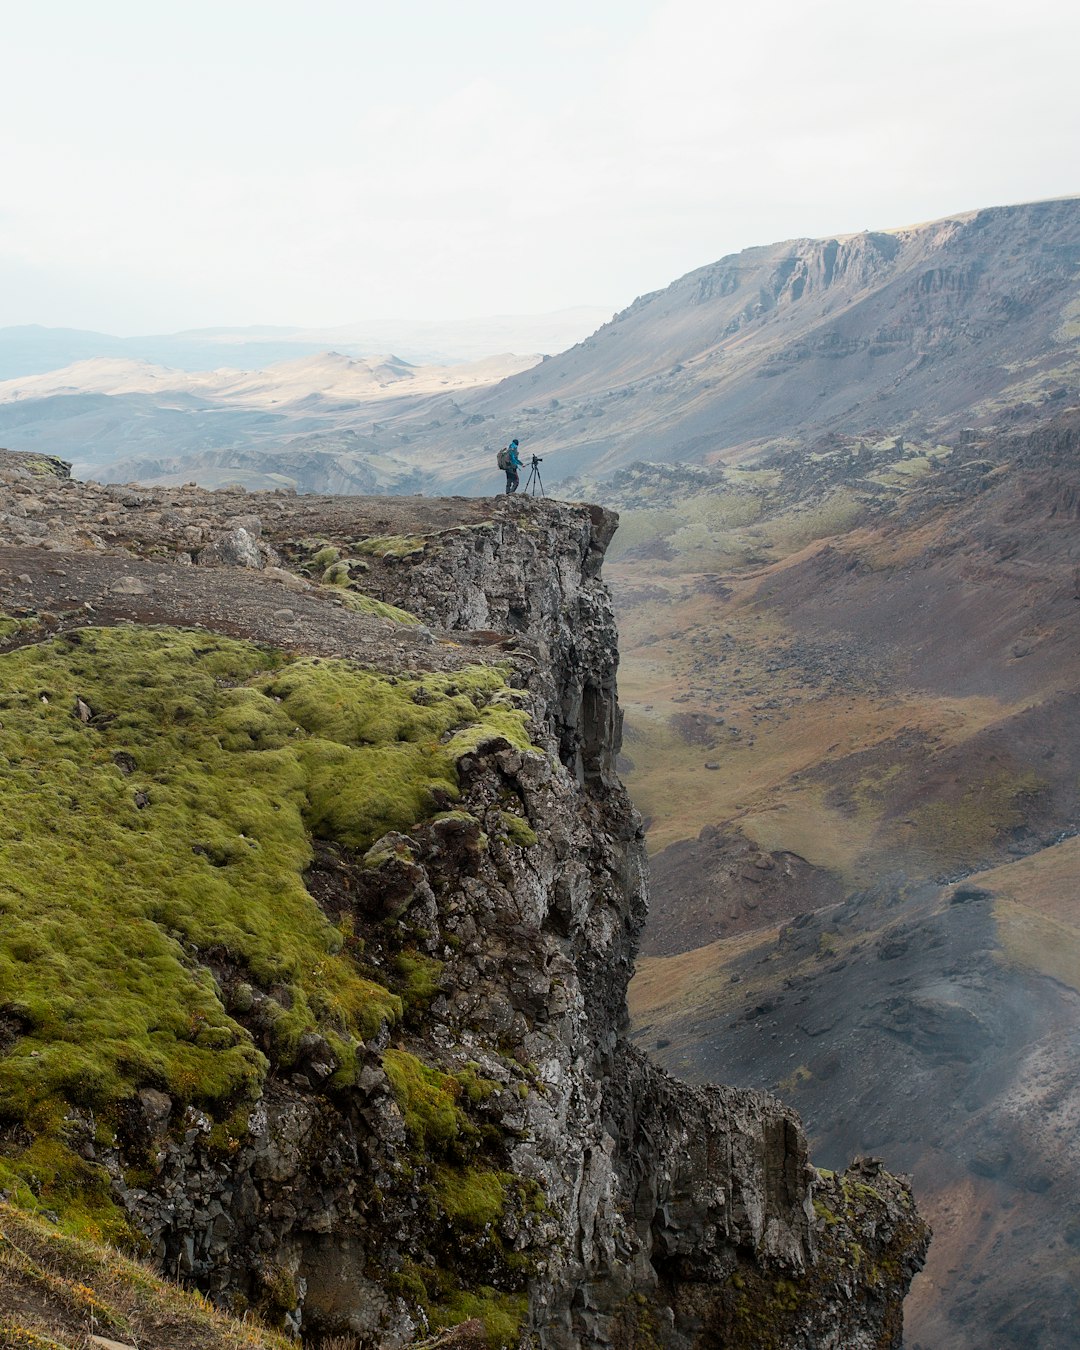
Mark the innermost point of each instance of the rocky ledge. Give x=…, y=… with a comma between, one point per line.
x=376, y=1078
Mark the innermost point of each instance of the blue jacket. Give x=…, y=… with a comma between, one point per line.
x=515, y=463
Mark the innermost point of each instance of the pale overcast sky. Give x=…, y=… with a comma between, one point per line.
x=167, y=165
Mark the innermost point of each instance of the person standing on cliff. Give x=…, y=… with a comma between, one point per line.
x=513, y=463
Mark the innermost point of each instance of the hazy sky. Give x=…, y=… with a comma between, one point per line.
x=167, y=165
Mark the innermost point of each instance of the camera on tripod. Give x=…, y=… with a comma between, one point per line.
x=535, y=483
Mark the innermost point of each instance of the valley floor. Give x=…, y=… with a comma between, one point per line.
x=858, y=756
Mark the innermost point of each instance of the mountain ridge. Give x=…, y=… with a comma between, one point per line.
x=344, y=377
x=27, y=349
x=774, y=341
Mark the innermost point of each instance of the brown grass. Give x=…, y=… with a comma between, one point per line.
x=1031, y=939
x=759, y=785
x=673, y=985
x=763, y=778
x=1047, y=882
x=1037, y=907
x=57, y=1290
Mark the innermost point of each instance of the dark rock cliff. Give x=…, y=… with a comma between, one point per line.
x=502, y=1151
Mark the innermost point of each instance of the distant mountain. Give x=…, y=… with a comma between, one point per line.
x=33, y=350
x=121, y=419
x=437, y=340
x=331, y=375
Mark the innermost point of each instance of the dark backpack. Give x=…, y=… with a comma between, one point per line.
x=503, y=458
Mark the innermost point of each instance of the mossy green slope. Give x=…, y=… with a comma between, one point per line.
x=158, y=794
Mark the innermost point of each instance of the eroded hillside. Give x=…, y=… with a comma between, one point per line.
x=321, y=896
x=851, y=701
x=922, y=331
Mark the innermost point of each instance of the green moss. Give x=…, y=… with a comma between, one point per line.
x=428, y=1101
x=338, y=701
x=518, y=831
x=386, y=848
x=11, y=627
x=324, y=557
x=366, y=604
x=786, y=1295
x=337, y=574
x=49, y=1176
x=278, y=1294
x=471, y=1198
x=503, y=1315
x=407, y=1283
x=42, y=466
x=177, y=822
x=462, y=817
x=761, y=1313
x=99, y=909
x=226, y=1136
x=501, y=721
x=475, y=1087
x=439, y=1294
x=381, y=749
x=419, y=976
x=392, y=545
x=355, y=795
x=468, y=1270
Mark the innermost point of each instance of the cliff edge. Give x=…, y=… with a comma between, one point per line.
x=322, y=898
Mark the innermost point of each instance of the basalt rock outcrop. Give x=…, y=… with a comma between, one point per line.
x=489, y=1144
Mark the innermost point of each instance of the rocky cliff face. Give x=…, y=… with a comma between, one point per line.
x=497, y=1149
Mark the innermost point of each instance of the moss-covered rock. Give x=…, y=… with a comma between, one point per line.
x=365, y=604
x=518, y=831
x=869, y=1239
x=428, y=1102
x=323, y=557
x=159, y=790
